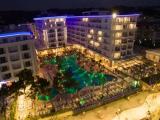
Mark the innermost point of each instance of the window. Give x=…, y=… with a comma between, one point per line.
x=59, y=24
x=128, y=52
x=13, y=49
x=3, y=59
x=117, y=55
x=118, y=27
x=25, y=38
x=25, y=47
x=124, y=34
x=16, y=66
x=59, y=30
x=26, y=56
x=27, y=64
x=14, y=57
x=6, y=76
x=4, y=68
x=51, y=35
x=18, y=38
x=131, y=34
x=52, y=30
x=2, y=51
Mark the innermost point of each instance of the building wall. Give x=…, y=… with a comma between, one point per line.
x=112, y=37
x=15, y=56
x=155, y=57
x=52, y=32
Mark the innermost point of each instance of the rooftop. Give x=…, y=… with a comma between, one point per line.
x=90, y=16
x=14, y=34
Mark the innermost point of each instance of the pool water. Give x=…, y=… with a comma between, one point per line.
x=83, y=77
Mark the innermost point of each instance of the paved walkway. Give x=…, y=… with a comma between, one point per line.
x=151, y=104
x=108, y=111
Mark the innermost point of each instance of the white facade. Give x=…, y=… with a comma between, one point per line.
x=17, y=52
x=52, y=32
x=111, y=35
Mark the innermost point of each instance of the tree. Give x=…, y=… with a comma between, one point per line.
x=42, y=84
x=25, y=78
x=4, y=92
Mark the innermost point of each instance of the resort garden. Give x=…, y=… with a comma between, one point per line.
x=79, y=83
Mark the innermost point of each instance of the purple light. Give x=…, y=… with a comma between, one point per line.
x=14, y=34
x=91, y=16
x=51, y=17
x=105, y=16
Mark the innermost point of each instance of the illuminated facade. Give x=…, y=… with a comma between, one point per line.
x=153, y=55
x=52, y=32
x=110, y=35
x=17, y=52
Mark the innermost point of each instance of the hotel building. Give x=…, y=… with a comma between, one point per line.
x=51, y=32
x=110, y=35
x=17, y=52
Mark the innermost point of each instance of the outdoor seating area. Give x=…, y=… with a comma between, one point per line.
x=142, y=70
x=95, y=96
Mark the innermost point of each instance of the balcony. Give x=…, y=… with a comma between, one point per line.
x=4, y=68
x=123, y=48
x=13, y=49
x=6, y=76
x=24, y=47
x=3, y=60
x=16, y=66
x=117, y=48
x=2, y=51
x=26, y=56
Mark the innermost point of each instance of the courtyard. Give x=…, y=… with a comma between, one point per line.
x=80, y=82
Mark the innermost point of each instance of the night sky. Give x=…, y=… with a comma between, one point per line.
x=47, y=4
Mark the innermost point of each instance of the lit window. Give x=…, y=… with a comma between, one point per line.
x=61, y=19
x=91, y=42
x=117, y=55
x=51, y=25
x=92, y=31
x=96, y=44
x=118, y=42
x=99, y=32
x=132, y=26
x=57, y=20
x=118, y=34
x=118, y=27
x=99, y=39
x=126, y=19
x=89, y=36
x=85, y=19
x=119, y=19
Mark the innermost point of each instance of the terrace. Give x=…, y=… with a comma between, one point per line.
x=141, y=69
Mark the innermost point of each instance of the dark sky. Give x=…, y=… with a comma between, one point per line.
x=46, y=4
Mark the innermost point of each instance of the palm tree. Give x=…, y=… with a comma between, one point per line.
x=25, y=78
x=3, y=95
x=42, y=84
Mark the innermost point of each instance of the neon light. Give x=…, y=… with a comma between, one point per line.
x=108, y=16
x=51, y=17
x=14, y=34
x=105, y=16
